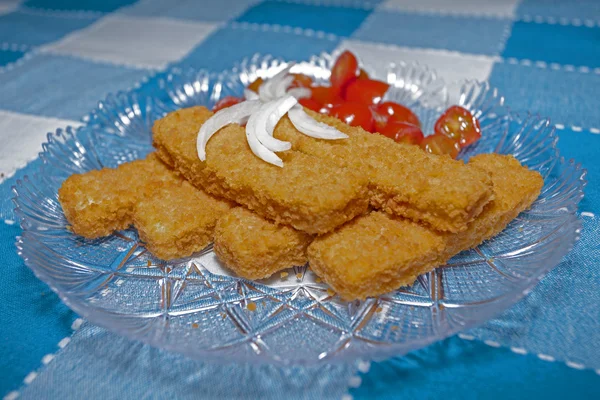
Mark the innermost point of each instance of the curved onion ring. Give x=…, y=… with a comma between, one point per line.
x=257, y=147
x=299, y=92
x=250, y=94
x=266, y=91
x=268, y=115
x=313, y=128
x=236, y=113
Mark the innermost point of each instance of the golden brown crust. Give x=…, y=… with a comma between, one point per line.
x=177, y=220
x=99, y=202
x=173, y=218
x=374, y=254
x=377, y=253
x=515, y=189
x=404, y=180
x=309, y=194
x=255, y=248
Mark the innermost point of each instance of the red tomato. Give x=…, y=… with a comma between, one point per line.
x=325, y=95
x=326, y=109
x=301, y=80
x=354, y=114
x=395, y=112
x=311, y=104
x=363, y=74
x=403, y=132
x=440, y=144
x=255, y=85
x=366, y=91
x=226, y=102
x=344, y=71
x=458, y=124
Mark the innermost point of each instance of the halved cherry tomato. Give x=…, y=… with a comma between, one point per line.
x=226, y=102
x=366, y=91
x=325, y=95
x=363, y=74
x=256, y=84
x=326, y=109
x=301, y=80
x=311, y=104
x=403, y=132
x=344, y=71
x=458, y=124
x=394, y=112
x=440, y=144
x=354, y=114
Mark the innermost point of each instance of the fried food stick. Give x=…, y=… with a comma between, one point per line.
x=101, y=201
x=378, y=253
x=255, y=248
x=172, y=217
x=404, y=180
x=310, y=194
x=177, y=220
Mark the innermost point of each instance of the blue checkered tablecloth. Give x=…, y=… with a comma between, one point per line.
x=58, y=58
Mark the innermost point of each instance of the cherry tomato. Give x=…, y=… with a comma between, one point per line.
x=403, y=132
x=226, y=102
x=255, y=85
x=440, y=144
x=354, y=114
x=301, y=80
x=311, y=104
x=363, y=74
x=391, y=111
x=326, y=109
x=366, y=91
x=458, y=124
x=325, y=95
x=344, y=71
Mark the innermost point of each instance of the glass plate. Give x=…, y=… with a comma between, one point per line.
x=195, y=307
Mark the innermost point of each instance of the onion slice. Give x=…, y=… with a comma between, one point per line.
x=313, y=128
x=236, y=113
x=299, y=92
x=266, y=91
x=284, y=106
x=250, y=94
x=268, y=115
x=257, y=147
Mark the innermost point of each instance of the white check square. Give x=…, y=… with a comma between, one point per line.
x=22, y=138
x=134, y=41
x=496, y=8
x=451, y=66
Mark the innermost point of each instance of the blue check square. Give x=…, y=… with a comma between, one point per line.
x=245, y=40
x=464, y=34
x=340, y=21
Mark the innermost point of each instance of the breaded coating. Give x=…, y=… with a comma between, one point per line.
x=255, y=248
x=515, y=190
x=310, y=194
x=404, y=180
x=177, y=220
x=378, y=253
x=374, y=254
x=101, y=201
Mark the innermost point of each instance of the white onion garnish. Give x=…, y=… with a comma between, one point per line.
x=285, y=105
x=270, y=113
x=300, y=92
x=257, y=147
x=283, y=85
x=266, y=91
x=234, y=114
x=261, y=112
x=313, y=128
x=250, y=94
